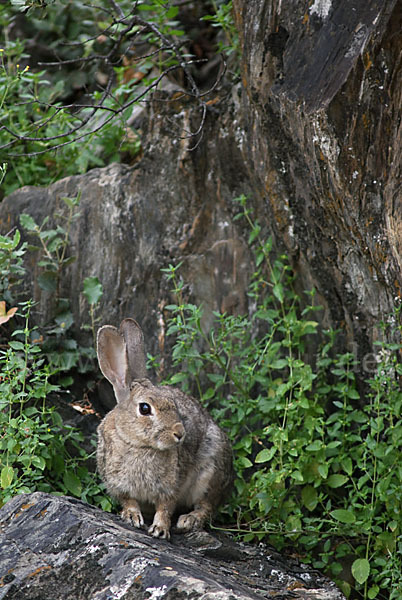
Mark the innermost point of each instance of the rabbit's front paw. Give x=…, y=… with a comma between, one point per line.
x=158, y=531
x=133, y=515
x=191, y=521
x=161, y=526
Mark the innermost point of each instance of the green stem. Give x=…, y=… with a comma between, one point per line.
x=26, y=352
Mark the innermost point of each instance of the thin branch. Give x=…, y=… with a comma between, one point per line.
x=118, y=8
x=133, y=25
x=86, y=134
x=60, y=135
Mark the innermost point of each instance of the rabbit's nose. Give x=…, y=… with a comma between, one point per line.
x=178, y=432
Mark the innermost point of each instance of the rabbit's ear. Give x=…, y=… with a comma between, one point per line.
x=134, y=338
x=113, y=362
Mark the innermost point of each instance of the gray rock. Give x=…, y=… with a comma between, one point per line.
x=322, y=143
x=58, y=548
x=131, y=224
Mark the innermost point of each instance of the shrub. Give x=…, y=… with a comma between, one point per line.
x=318, y=463
x=68, y=106
x=38, y=452
x=31, y=107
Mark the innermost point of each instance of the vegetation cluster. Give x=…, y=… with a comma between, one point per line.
x=74, y=78
x=317, y=453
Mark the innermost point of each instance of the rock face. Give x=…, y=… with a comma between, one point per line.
x=132, y=223
x=312, y=135
x=62, y=549
x=322, y=143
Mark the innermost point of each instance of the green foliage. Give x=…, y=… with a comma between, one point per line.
x=36, y=109
x=318, y=465
x=223, y=18
x=93, y=292
x=53, y=244
x=68, y=106
x=38, y=452
x=33, y=114
x=60, y=347
x=11, y=264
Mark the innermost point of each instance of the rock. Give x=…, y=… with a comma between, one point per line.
x=322, y=144
x=58, y=548
x=132, y=224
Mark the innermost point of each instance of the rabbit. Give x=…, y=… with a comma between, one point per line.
x=158, y=448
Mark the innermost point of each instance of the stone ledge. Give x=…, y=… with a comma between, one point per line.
x=55, y=547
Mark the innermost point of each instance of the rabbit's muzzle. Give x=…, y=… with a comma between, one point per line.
x=178, y=432
x=171, y=438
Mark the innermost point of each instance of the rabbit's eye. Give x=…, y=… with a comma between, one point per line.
x=145, y=409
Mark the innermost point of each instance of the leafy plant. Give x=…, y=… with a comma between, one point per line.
x=37, y=451
x=31, y=105
x=78, y=98
x=59, y=344
x=11, y=264
x=53, y=245
x=93, y=293
x=317, y=466
x=223, y=18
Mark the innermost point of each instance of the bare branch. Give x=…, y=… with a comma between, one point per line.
x=118, y=9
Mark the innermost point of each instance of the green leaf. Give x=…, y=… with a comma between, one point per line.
x=66, y=381
x=92, y=290
x=27, y=222
x=69, y=260
x=16, y=345
x=314, y=446
x=254, y=234
x=171, y=13
x=48, y=281
x=6, y=477
x=58, y=464
x=393, y=525
x=265, y=455
x=244, y=462
x=347, y=465
x=278, y=292
x=361, y=570
x=297, y=475
x=16, y=238
x=309, y=327
x=373, y=591
x=71, y=202
x=178, y=378
x=64, y=320
x=106, y=504
x=57, y=420
x=280, y=363
x=342, y=515
x=309, y=497
x=39, y=462
x=53, y=245
x=72, y=483
x=335, y=481
x=293, y=523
